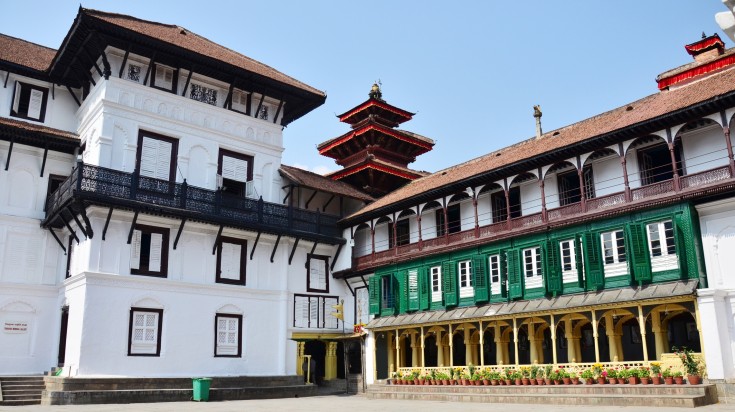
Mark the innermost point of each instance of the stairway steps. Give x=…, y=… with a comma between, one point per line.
x=21, y=390
x=611, y=395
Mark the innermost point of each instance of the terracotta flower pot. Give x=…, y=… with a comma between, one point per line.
x=589, y=381
x=669, y=381
x=519, y=381
x=656, y=380
x=575, y=381
x=539, y=381
x=679, y=380
x=567, y=381
x=493, y=382
x=533, y=381
x=445, y=382
x=524, y=381
x=601, y=380
x=694, y=379
x=547, y=381
x=557, y=382
x=633, y=380
x=645, y=381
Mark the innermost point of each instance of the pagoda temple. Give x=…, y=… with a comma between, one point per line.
x=375, y=154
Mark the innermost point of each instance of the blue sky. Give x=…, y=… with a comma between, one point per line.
x=471, y=70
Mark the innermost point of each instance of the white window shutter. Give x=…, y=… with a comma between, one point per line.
x=16, y=97
x=154, y=262
x=314, y=312
x=135, y=250
x=148, y=157
x=34, y=104
x=164, y=77
x=230, y=261
x=163, y=170
x=234, y=169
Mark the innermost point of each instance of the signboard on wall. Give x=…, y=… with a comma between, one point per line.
x=15, y=327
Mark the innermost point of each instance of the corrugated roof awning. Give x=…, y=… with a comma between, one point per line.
x=560, y=303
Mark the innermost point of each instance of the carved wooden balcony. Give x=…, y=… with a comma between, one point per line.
x=116, y=189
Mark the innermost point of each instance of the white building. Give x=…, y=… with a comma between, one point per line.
x=146, y=225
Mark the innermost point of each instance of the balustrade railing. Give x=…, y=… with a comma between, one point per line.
x=706, y=177
x=94, y=183
x=606, y=201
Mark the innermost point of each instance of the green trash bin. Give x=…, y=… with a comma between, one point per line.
x=201, y=389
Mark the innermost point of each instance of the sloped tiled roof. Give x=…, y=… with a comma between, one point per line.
x=25, y=53
x=580, y=300
x=36, y=128
x=181, y=37
x=645, y=109
x=325, y=184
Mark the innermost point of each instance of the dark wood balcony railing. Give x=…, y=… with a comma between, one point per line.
x=656, y=190
x=99, y=185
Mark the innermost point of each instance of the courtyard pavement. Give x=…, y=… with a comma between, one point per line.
x=344, y=403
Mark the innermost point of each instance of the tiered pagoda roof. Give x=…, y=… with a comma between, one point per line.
x=375, y=154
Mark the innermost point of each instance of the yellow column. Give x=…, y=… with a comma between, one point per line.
x=515, y=340
x=612, y=339
x=594, y=334
x=642, y=327
x=390, y=344
x=423, y=354
x=330, y=361
x=660, y=334
x=699, y=326
x=482, y=345
x=414, y=351
x=500, y=347
x=468, y=346
x=398, y=349
x=573, y=353
x=451, y=346
x=553, y=340
x=532, y=343
x=439, y=349
x=300, y=358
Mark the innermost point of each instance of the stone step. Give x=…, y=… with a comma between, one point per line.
x=7, y=393
x=611, y=395
x=21, y=402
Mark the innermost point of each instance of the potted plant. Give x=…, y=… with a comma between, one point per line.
x=668, y=375
x=612, y=375
x=678, y=378
x=588, y=375
x=495, y=378
x=599, y=373
x=517, y=377
x=574, y=377
x=565, y=376
x=525, y=373
x=476, y=379
x=656, y=373
x=540, y=374
x=548, y=370
x=644, y=374
x=508, y=376
x=532, y=374
x=691, y=364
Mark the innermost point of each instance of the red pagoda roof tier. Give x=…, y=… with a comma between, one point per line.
x=419, y=144
x=375, y=106
x=374, y=164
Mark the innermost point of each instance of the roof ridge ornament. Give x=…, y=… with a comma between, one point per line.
x=375, y=92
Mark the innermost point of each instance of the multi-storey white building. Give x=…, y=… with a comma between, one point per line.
x=147, y=227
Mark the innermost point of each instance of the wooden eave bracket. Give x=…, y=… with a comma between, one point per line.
x=293, y=250
x=216, y=239
x=10, y=151
x=364, y=282
x=87, y=223
x=107, y=223
x=68, y=226
x=352, y=291
x=336, y=255
x=178, y=233
x=132, y=227
x=255, y=244
x=273, y=253
x=43, y=162
x=57, y=239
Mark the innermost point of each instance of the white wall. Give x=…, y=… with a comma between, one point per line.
x=60, y=105
x=704, y=149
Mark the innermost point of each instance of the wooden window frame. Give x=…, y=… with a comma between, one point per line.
x=174, y=151
x=493, y=270
x=241, y=156
x=537, y=271
x=44, y=101
x=217, y=316
x=615, y=247
x=164, y=251
x=243, y=261
x=158, y=335
x=174, y=79
x=325, y=259
x=464, y=275
x=664, y=246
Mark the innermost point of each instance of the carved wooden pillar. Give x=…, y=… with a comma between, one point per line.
x=372, y=237
x=395, y=235
x=674, y=166
x=642, y=327
x=624, y=164
x=421, y=240
x=446, y=221
x=543, y=200
x=477, y=218
x=730, y=160
x=582, y=195
x=507, y=205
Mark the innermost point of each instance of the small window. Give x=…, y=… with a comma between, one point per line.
x=263, y=114
x=165, y=78
x=532, y=267
x=613, y=247
x=134, y=72
x=228, y=335
x=156, y=156
x=387, y=296
x=231, y=261
x=239, y=101
x=144, y=334
x=661, y=246
x=403, y=232
x=203, y=94
x=413, y=284
x=568, y=261
x=317, y=273
x=29, y=102
x=149, y=251
x=436, y=283
x=54, y=182
x=236, y=170
x=499, y=207
x=465, y=279
x=494, y=265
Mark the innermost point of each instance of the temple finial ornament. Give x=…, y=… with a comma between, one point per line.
x=375, y=92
